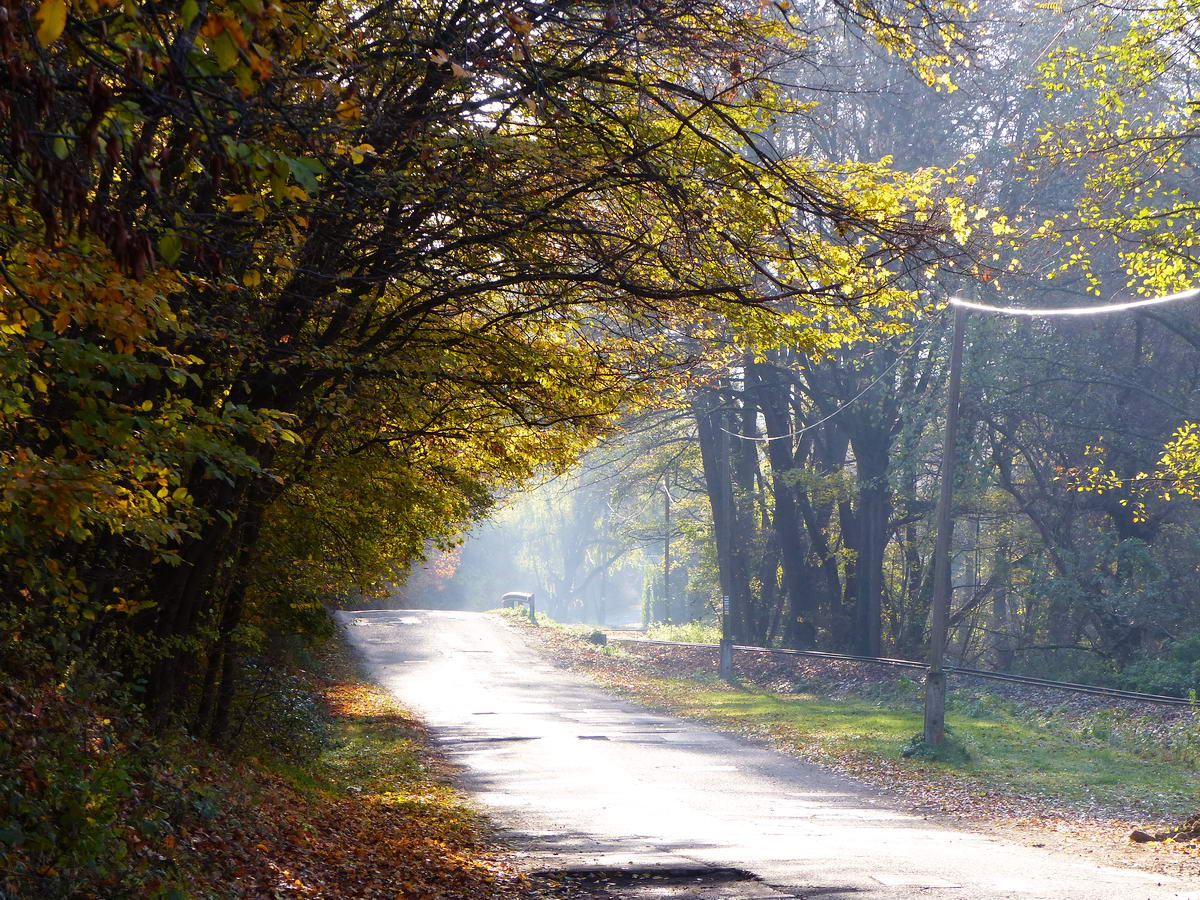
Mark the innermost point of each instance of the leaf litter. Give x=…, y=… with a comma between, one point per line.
x=375, y=817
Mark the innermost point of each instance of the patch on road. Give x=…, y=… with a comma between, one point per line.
x=695, y=882
x=914, y=881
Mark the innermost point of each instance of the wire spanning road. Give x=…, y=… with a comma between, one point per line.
x=583, y=781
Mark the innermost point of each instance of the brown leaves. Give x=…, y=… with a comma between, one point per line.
x=518, y=23
x=377, y=820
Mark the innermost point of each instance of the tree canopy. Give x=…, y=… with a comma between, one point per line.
x=292, y=289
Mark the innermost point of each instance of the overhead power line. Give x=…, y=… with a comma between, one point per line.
x=798, y=431
x=1074, y=310
x=981, y=307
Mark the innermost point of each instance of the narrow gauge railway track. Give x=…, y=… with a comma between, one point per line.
x=1092, y=689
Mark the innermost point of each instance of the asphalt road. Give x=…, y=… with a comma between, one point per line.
x=582, y=781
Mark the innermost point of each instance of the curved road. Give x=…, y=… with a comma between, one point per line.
x=581, y=780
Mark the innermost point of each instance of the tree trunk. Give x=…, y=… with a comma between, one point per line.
x=799, y=624
x=713, y=438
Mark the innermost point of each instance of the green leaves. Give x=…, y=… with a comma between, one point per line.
x=170, y=245
x=226, y=51
x=1130, y=143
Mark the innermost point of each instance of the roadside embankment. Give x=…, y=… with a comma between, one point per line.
x=334, y=791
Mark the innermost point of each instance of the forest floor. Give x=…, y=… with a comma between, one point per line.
x=1055, y=770
x=373, y=815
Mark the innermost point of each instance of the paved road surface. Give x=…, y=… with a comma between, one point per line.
x=582, y=780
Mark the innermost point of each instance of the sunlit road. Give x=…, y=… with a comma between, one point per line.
x=579, y=778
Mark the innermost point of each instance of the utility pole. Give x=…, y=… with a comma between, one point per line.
x=602, y=611
x=725, y=665
x=935, y=680
x=667, y=553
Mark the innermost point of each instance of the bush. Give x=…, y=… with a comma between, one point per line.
x=1068, y=664
x=89, y=804
x=951, y=751
x=277, y=713
x=1175, y=673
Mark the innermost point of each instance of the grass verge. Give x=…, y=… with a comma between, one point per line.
x=1023, y=762
x=371, y=816
x=1020, y=756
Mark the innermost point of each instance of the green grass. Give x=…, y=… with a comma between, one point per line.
x=692, y=633
x=1109, y=762
x=1007, y=748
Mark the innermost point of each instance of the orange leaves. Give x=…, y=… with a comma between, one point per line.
x=261, y=67
x=226, y=37
x=349, y=110
x=377, y=825
x=442, y=59
x=217, y=24
x=518, y=23
x=241, y=202
x=357, y=699
x=90, y=291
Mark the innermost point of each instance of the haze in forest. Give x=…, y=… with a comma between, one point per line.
x=1061, y=564
x=316, y=309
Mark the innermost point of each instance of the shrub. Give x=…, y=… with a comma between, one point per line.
x=277, y=713
x=689, y=632
x=89, y=804
x=951, y=751
x=1175, y=673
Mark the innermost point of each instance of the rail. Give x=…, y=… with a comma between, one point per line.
x=957, y=670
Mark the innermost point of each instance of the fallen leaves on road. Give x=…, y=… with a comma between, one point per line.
x=374, y=819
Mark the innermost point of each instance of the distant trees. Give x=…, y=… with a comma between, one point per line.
x=818, y=469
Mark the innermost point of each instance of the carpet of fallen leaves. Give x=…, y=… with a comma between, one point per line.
x=374, y=818
x=639, y=673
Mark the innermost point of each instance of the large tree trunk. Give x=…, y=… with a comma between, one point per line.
x=828, y=454
x=712, y=432
x=874, y=510
x=799, y=624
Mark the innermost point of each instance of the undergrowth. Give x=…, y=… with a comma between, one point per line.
x=91, y=802
x=331, y=792
x=691, y=632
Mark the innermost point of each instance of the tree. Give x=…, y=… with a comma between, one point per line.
x=344, y=265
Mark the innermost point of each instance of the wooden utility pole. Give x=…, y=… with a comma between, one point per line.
x=935, y=680
x=667, y=553
x=602, y=610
